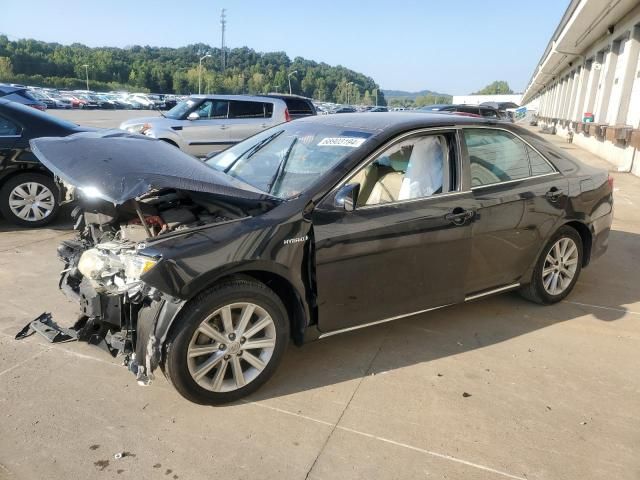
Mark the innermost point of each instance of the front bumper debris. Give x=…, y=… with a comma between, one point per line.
x=50, y=330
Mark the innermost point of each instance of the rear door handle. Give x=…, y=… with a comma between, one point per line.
x=459, y=216
x=264, y=125
x=553, y=194
x=223, y=127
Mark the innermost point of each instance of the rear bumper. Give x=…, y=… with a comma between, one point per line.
x=600, y=228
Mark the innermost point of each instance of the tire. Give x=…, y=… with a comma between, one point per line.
x=541, y=289
x=204, y=369
x=43, y=211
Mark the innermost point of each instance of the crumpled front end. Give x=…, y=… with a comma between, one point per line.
x=118, y=311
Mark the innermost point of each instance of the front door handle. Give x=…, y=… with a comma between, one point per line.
x=459, y=216
x=223, y=127
x=553, y=194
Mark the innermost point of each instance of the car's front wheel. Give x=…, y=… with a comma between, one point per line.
x=228, y=342
x=29, y=200
x=557, y=270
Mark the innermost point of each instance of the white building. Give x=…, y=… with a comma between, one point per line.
x=591, y=70
x=478, y=99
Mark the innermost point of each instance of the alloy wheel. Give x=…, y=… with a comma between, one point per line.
x=560, y=266
x=31, y=201
x=231, y=347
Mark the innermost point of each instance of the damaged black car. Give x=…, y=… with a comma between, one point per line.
x=327, y=224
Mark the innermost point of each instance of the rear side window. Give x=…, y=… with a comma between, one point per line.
x=487, y=112
x=539, y=166
x=297, y=106
x=239, y=109
x=495, y=156
x=8, y=128
x=474, y=110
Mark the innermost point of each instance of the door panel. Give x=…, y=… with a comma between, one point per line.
x=512, y=223
x=209, y=132
x=510, y=181
x=379, y=262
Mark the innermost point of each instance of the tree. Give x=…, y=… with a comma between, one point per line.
x=6, y=70
x=499, y=87
x=176, y=70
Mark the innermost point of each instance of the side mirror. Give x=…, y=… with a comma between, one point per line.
x=347, y=197
x=193, y=116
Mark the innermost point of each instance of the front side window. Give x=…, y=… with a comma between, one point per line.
x=495, y=156
x=414, y=168
x=212, y=109
x=8, y=128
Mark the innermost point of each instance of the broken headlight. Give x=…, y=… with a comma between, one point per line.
x=109, y=270
x=136, y=265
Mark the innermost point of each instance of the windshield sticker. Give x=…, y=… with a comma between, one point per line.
x=342, y=142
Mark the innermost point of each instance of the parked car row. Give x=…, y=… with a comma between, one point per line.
x=90, y=100
x=207, y=124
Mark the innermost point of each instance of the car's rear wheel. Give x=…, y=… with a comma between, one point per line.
x=29, y=200
x=228, y=342
x=557, y=270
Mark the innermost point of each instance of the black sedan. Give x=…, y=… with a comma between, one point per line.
x=312, y=228
x=29, y=195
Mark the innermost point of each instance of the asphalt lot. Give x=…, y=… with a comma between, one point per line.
x=495, y=389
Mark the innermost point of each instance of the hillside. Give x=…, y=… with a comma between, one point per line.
x=175, y=70
x=415, y=99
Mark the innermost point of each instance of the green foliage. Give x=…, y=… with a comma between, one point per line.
x=420, y=101
x=6, y=70
x=176, y=70
x=499, y=87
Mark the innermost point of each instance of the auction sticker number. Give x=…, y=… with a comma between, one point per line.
x=352, y=142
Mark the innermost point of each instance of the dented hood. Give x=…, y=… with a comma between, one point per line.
x=118, y=166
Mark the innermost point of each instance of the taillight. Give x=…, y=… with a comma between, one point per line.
x=287, y=117
x=39, y=107
x=610, y=181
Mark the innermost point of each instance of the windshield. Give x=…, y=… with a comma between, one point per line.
x=180, y=110
x=286, y=160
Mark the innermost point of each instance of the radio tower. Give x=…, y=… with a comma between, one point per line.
x=223, y=25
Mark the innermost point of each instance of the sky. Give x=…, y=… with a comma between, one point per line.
x=448, y=46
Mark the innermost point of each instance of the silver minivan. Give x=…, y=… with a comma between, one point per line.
x=207, y=123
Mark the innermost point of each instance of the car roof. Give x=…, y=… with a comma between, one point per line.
x=245, y=98
x=8, y=89
x=397, y=120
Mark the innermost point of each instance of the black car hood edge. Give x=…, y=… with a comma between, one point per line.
x=118, y=166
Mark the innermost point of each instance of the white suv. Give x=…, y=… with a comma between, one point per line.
x=208, y=123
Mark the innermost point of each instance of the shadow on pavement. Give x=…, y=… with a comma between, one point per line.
x=458, y=329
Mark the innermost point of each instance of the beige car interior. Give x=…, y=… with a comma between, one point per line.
x=411, y=169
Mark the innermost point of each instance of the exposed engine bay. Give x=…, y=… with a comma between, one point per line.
x=104, y=265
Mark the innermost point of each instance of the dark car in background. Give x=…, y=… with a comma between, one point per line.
x=344, y=109
x=29, y=195
x=21, y=95
x=479, y=110
x=312, y=228
x=297, y=105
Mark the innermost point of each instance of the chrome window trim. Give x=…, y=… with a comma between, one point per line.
x=444, y=129
x=10, y=136
x=488, y=185
x=412, y=200
x=553, y=167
